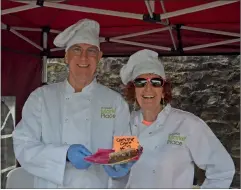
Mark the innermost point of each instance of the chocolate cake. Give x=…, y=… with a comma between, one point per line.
x=123, y=155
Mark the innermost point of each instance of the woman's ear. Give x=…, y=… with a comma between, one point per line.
x=163, y=93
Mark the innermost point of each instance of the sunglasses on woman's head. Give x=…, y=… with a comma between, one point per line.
x=155, y=82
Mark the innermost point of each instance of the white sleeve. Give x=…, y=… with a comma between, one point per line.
x=122, y=127
x=46, y=161
x=210, y=155
x=122, y=119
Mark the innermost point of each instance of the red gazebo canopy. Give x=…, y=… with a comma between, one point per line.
x=170, y=27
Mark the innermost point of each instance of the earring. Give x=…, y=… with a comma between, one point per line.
x=163, y=102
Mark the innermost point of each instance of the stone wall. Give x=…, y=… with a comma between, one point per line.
x=207, y=86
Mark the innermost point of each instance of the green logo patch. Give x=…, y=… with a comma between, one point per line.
x=176, y=138
x=107, y=112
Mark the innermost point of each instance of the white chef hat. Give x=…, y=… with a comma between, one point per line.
x=142, y=62
x=84, y=31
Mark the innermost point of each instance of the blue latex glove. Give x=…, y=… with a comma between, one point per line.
x=118, y=170
x=76, y=154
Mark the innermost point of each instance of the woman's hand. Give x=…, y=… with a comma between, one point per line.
x=118, y=170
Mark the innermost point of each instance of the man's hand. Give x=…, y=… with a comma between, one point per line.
x=76, y=154
x=118, y=170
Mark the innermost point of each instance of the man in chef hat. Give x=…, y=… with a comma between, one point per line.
x=62, y=123
x=82, y=47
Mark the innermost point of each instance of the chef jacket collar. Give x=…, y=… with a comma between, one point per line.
x=161, y=117
x=69, y=89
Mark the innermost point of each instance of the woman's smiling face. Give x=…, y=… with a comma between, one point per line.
x=149, y=97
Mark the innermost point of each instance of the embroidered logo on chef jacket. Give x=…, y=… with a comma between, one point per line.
x=107, y=112
x=176, y=138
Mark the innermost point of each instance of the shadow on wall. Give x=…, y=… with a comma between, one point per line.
x=8, y=161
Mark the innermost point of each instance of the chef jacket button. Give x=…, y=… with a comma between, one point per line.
x=65, y=142
x=154, y=171
x=66, y=120
x=150, y=132
x=67, y=98
x=86, y=119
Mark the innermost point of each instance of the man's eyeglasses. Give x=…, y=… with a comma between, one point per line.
x=90, y=52
x=155, y=82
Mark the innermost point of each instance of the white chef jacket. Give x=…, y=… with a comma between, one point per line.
x=171, y=146
x=53, y=118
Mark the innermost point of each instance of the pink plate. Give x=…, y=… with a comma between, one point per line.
x=102, y=157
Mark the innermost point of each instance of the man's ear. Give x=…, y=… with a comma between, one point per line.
x=100, y=55
x=66, y=58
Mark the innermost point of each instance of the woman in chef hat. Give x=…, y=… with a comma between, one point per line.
x=172, y=139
